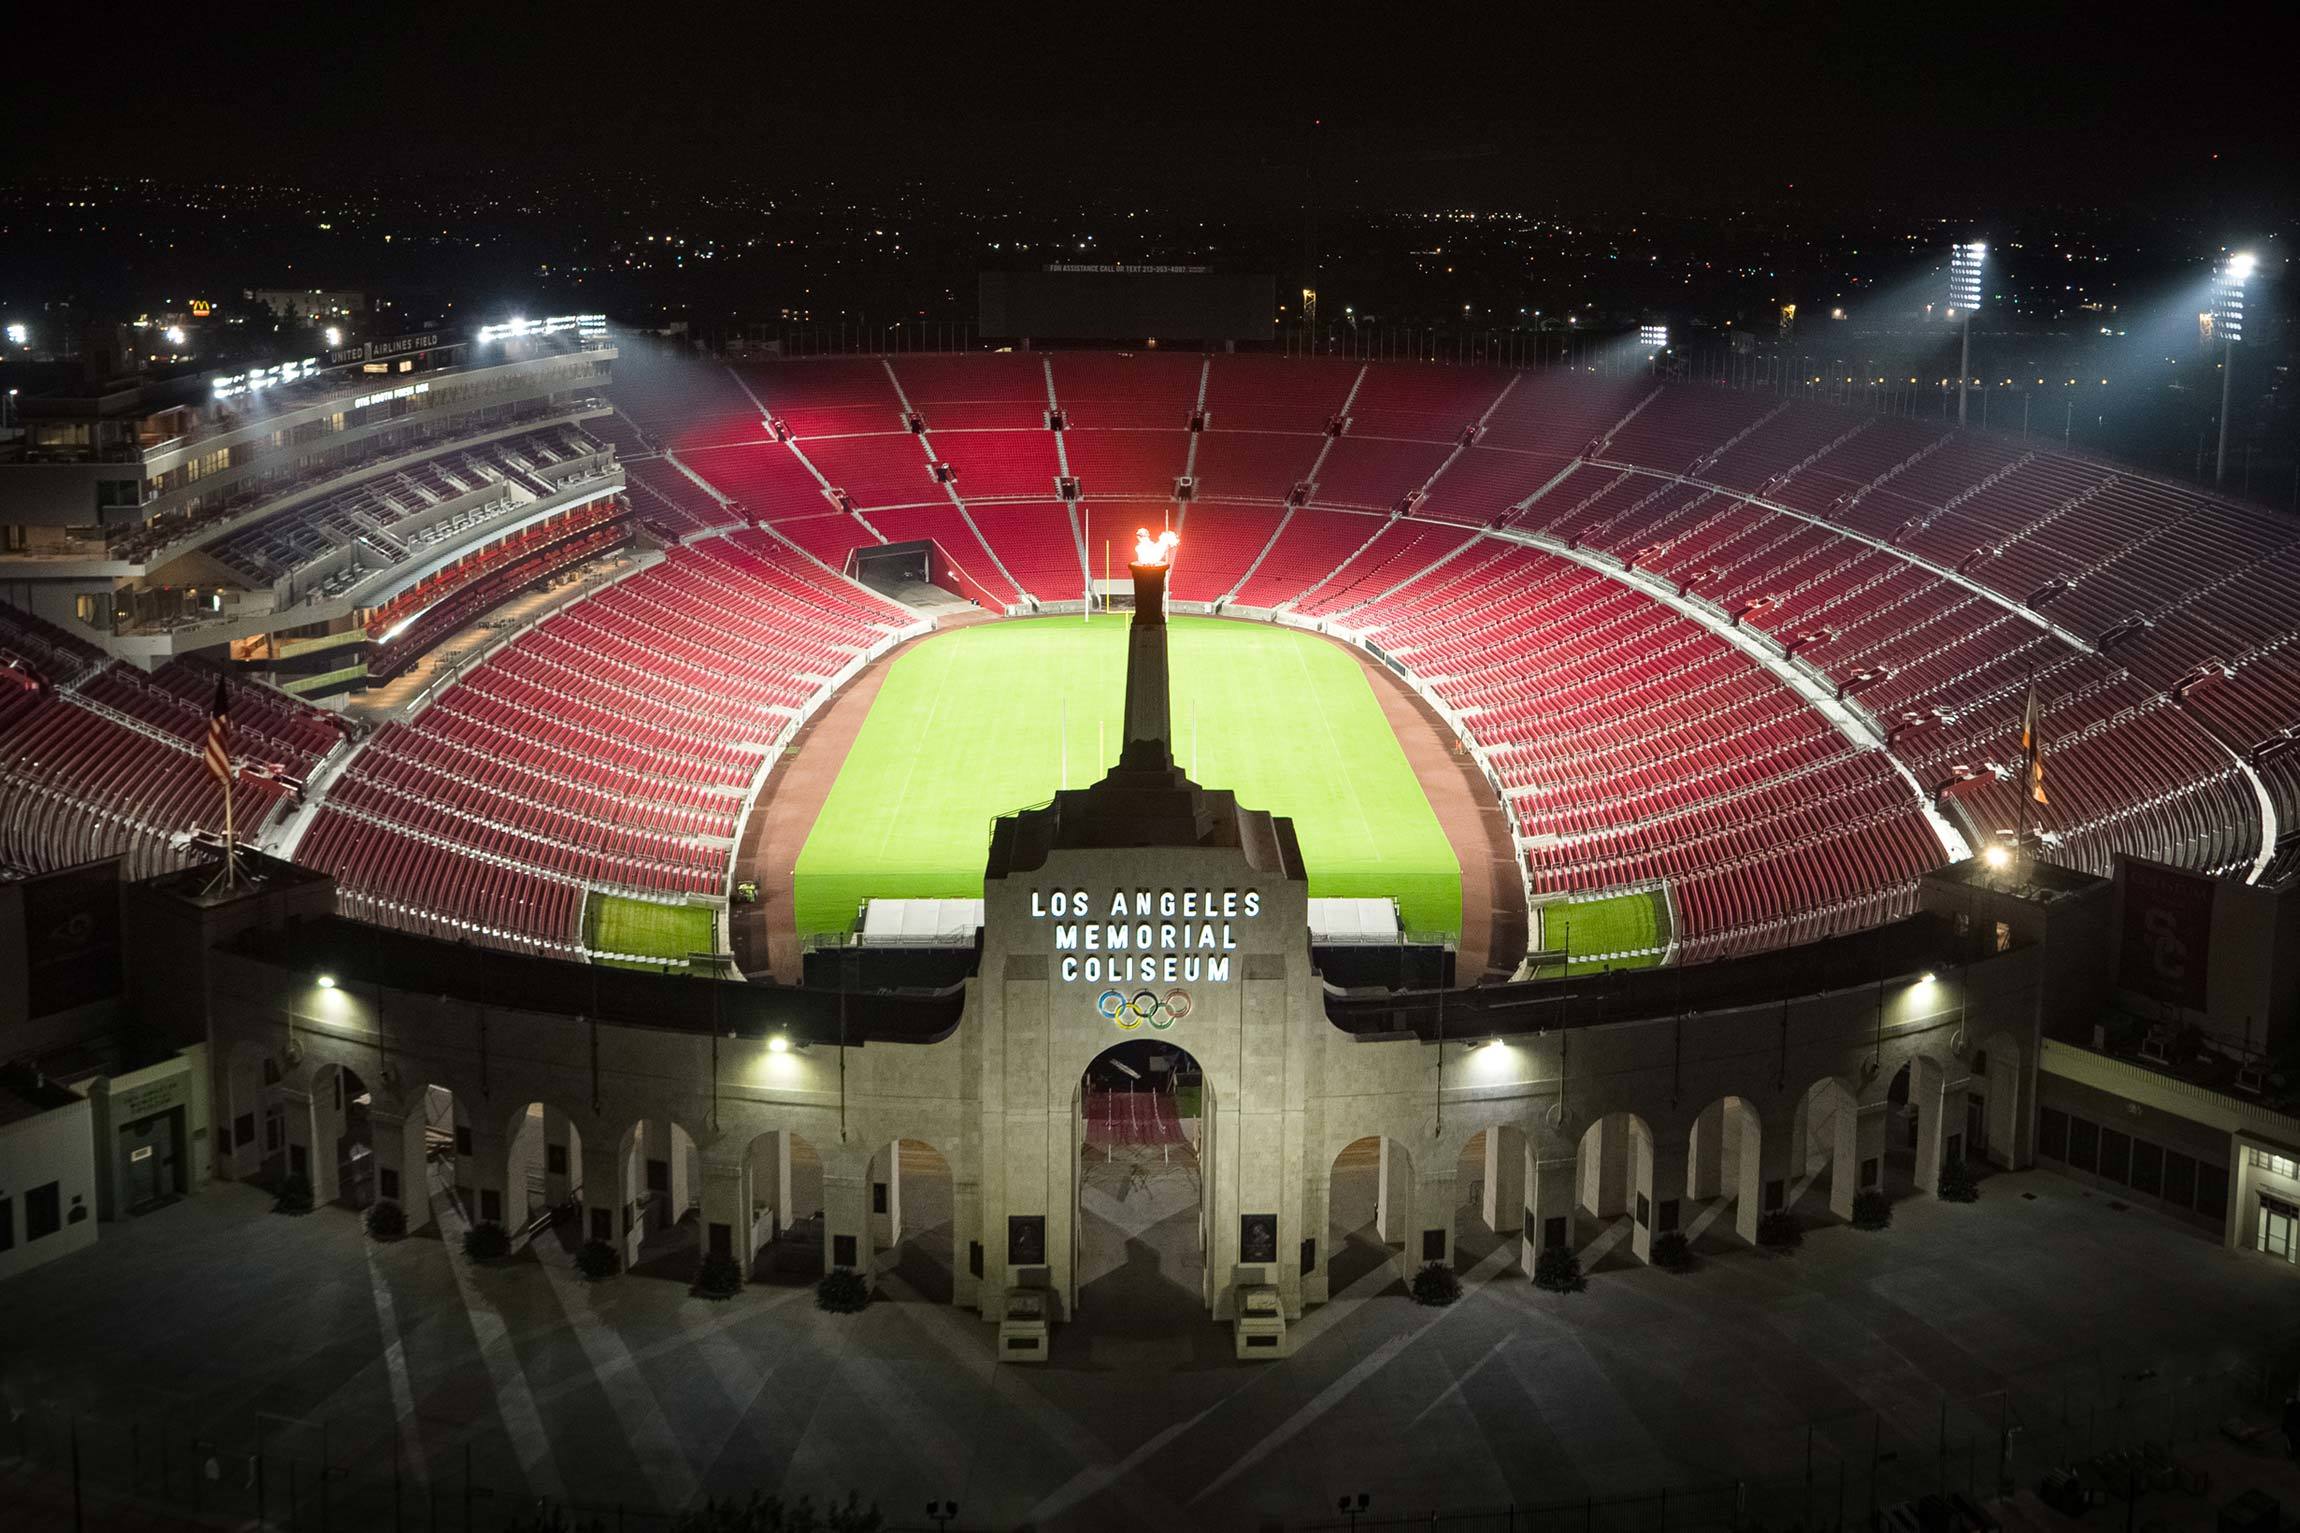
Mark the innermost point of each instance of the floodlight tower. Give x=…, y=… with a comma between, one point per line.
x=2228, y=328
x=1965, y=264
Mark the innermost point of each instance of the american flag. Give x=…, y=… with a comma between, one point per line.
x=218, y=754
x=2032, y=748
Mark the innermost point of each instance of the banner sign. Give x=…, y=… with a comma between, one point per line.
x=2167, y=934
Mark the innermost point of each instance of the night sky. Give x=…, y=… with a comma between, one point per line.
x=1728, y=104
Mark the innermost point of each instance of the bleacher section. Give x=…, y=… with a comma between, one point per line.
x=611, y=745
x=1926, y=632
x=98, y=759
x=1923, y=575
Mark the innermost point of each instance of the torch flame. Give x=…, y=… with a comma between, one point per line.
x=1153, y=550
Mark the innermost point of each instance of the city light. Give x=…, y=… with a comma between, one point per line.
x=334, y=336
x=175, y=334
x=19, y=335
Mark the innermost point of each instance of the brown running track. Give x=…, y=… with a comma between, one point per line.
x=1493, y=915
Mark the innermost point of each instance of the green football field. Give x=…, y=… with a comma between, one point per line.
x=613, y=923
x=1616, y=926
x=982, y=721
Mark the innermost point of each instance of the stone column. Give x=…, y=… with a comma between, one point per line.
x=1659, y=1176
x=886, y=1228
x=1318, y=1225
x=1929, y=1101
x=1706, y=1176
x=1868, y=1149
x=1432, y=1239
x=726, y=1209
x=1504, y=1202
x=965, y=1233
x=1741, y=1168
x=1393, y=1196
x=1953, y=1127
x=488, y=1175
x=607, y=1193
x=400, y=1171
x=1553, y=1191
x=557, y=1130
x=846, y=1214
x=300, y=1115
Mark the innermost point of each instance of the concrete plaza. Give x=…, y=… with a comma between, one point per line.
x=1885, y=1361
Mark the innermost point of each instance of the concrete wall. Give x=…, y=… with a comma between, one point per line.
x=53, y=1146
x=998, y=1099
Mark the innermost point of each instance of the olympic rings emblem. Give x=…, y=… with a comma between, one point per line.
x=1131, y=1011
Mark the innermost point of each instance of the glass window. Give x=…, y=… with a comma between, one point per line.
x=2211, y=1190
x=2179, y=1179
x=2274, y=1164
x=2083, y=1144
x=2115, y=1155
x=2052, y=1133
x=2275, y=1231
x=43, y=1212
x=2147, y=1167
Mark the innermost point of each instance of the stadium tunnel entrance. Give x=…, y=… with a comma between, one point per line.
x=912, y=1209
x=1143, y=1123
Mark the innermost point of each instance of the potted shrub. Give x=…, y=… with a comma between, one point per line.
x=486, y=1242
x=294, y=1196
x=1780, y=1230
x=1872, y=1210
x=842, y=1292
x=720, y=1277
x=1958, y=1184
x=1558, y=1270
x=1436, y=1284
x=596, y=1259
x=1672, y=1252
x=386, y=1220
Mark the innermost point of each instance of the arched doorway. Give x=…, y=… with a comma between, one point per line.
x=1924, y=1126
x=544, y=1169
x=342, y=1158
x=1824, y=1150
x=1614, y=1190
x=663, y=1171
x=1144, y=1119
x=911, y=1222
x=1723, y=1171
x=1489, y=1192
x=785, y=1174
x=1369, y=1214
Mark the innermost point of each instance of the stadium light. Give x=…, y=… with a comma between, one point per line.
x=327, y=982
x=1965, y=263
x=779, y=1044
x=1996, y=857
x=1653, y=335
x=2228, y=326
x=19, y=335
x=334, y=336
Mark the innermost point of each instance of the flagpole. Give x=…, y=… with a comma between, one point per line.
x=231, y=851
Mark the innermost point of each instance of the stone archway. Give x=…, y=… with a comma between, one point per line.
x=913, y=1222
x=784, y=1240
x=1370, y=1214
x=1724, y=1171
x=1824, y=1149
x=1613, y=1190
x=1143, y=1122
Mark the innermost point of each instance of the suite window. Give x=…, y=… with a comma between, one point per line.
x=2083, y=1144
x=2052, y=1133
x=2147, y=1167
x=2179, y=1179
x=2115, y=1155
x=43, y=1211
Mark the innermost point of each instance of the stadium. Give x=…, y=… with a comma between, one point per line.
x=879, y=814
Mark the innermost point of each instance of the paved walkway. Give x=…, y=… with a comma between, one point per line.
x=184, y=1335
